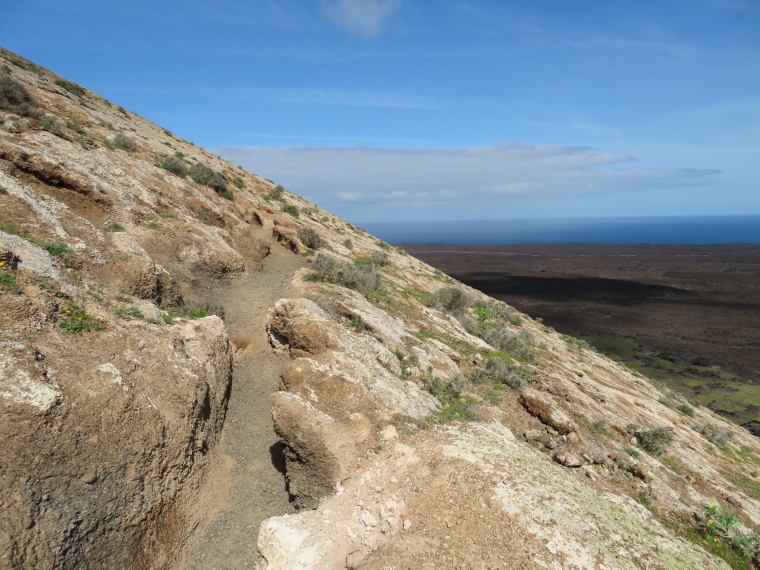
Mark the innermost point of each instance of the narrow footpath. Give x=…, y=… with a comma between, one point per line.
x=248, y=485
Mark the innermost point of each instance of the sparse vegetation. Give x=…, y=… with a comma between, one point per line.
x=15, y=98
x=77, y=321
x=59, y=249
x=175, y=165
x=653, y=441
x=129, y=313
x=72, y=88
x=114, y=227
x=291, y=209
x=719, y=438
x=310, y=238
x=206, y=176
x=327, y=268
x=192, y=311
x=9, y=283
x=124, y=142
x=276, y=192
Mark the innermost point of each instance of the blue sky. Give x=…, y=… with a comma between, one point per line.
x=383, y=110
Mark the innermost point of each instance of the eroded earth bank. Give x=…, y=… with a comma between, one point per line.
x=200, y=369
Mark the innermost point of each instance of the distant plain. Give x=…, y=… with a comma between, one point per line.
x=684, y=315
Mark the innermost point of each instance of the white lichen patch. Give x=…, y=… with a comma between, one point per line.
x=18, y=386
x=584, y=527
x=115, y=375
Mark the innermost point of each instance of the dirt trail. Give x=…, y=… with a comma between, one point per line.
x=246, y=486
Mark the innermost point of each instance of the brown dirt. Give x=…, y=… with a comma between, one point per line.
x=248, y=485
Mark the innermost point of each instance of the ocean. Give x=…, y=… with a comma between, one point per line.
x=652, y=230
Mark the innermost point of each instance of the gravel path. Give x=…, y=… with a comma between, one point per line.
x=247, y=480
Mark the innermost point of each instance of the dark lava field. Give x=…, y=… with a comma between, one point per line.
x=684, y=315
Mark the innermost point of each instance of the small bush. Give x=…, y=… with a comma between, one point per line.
x=310, y=238
x=714, y=435
x=59, y=249
x=206, y=176
x=499, y=372
x=72, y=88
x=54, y=126
x=653, y=441
x=174, y=165
x=276, y=192
x=327, y=268
x=124, y=142
x=14, y=98
x=291, y=209
x=453, y=300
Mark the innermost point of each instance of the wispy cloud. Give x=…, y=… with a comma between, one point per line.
x=361, y=17
x=479, y=179
x=349, y=97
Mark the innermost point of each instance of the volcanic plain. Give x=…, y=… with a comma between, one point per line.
x=685, y=315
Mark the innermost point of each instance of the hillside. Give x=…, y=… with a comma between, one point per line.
x=188, y=350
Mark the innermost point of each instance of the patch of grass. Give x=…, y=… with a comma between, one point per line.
x=500, y=372
x=13, y=230
x=454, y=406
x=114, y=227
x=129, y=313
x=632, y=452
x=59, y=249
x=192, y=311
x=77, y=321
x=746, y=483
x=9, y=283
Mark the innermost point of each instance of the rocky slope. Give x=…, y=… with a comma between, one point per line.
x=423, y=424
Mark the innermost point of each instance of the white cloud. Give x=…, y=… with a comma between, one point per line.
x=481, y=180
x=361, y=17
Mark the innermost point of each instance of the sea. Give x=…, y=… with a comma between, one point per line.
x=645, y=230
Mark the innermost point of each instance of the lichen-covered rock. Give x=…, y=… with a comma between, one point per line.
x=105, y=436
x=541, y=406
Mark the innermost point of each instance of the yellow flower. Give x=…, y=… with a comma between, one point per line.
x=2, y=263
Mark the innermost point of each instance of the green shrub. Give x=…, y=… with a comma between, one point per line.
x=499, y=372
x=327, y=268
x=77, y=321
x=124, y=142
x=714, y=435
x=175, y=165
x=59, y=249
x=129, y=313
x=291, y=209
x=654, y=441
x=206, y=176
x=54, y=126
x=453, y=300
x=72, y=88
x=276, y=192
x=114, y=227
x=14, y=98
x=310, y=238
